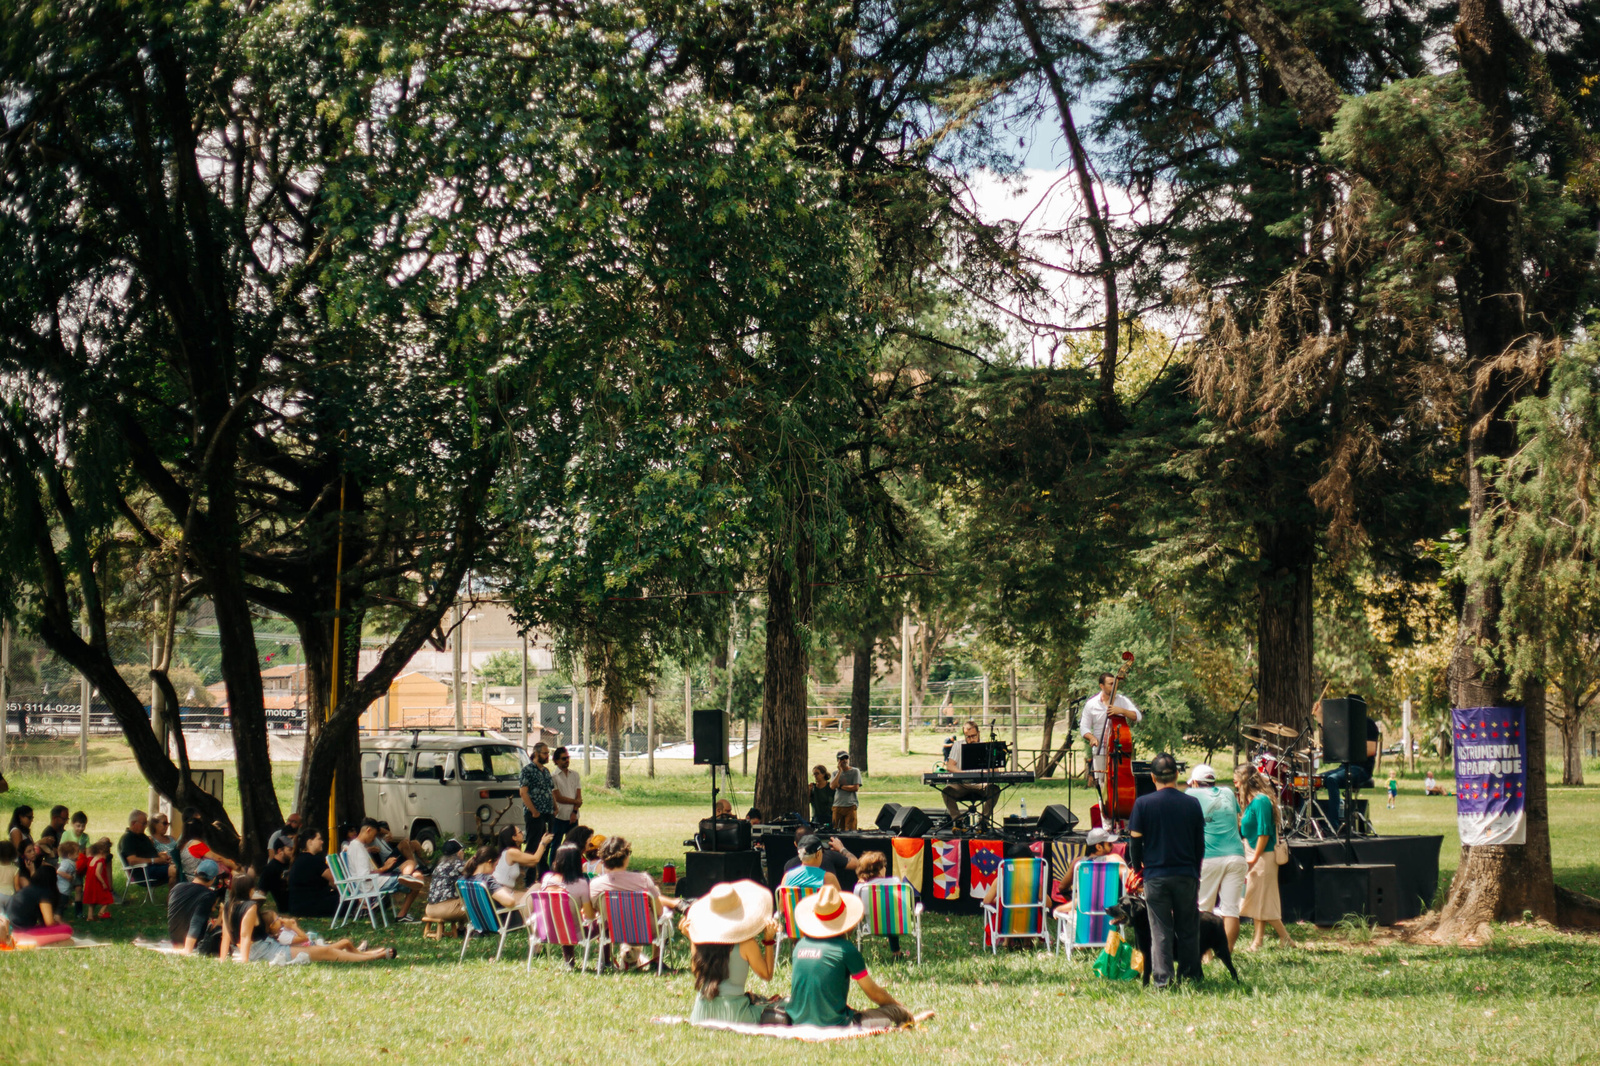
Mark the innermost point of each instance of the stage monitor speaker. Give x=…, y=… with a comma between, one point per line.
x=1056, y=819
x=704, y=870
x=886, y=815
x=1344, y=730
x=910, y=822
x=1372, y=891
x=724, y=834
x=710, y=738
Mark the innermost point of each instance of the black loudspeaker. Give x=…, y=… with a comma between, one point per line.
x=1344, y=730
x=703, y=870
x=910, y=822
x=886, y=815
x=710, y=738
x=1368, y=890
x=724, y=834
x=1056, y=819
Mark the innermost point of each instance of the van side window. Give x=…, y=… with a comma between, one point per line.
x=427, y=760
x=370, y=762
x=396, y=765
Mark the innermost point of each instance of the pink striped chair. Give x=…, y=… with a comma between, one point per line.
x=628, y=918
x=553, y=919
x=789, y=897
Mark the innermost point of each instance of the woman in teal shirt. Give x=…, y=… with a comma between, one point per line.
x=1259, y=825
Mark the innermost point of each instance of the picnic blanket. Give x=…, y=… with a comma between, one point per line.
x=810, y=1034
x=24, y=942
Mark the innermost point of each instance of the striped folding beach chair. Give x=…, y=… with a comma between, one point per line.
x=485, y=917
x=891, y=909
x=1096, y=887
x=355, y=895
x=553, y=919
x=628, y=918
x=789, y=897
x=1021, y=906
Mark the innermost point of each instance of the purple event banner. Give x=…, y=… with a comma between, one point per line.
x=1491, y=750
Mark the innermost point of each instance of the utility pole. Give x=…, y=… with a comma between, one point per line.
x=905, y=683
x=83, y=715
x=1013, y=718
x=585, y=725
x=5, y=690
x=1405, y=735
x=524, y=691
x=455, y=666
x=650, y=734
x=688, y=706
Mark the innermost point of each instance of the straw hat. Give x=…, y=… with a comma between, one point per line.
x=829, y=913
x=733, y=913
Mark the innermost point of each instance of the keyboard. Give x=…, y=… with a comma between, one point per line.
x=979, y=777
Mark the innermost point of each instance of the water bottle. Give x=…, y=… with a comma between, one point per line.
x=1024, y=808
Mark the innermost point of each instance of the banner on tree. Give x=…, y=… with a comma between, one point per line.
x=1491, y=749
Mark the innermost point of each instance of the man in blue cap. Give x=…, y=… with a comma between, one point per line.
x=189, y=907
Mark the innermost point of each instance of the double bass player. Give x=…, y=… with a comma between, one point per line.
x=1093, y=721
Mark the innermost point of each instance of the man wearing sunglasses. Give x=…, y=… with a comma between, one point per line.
x=567, y=789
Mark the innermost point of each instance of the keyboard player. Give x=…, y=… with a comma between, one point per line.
x=955, y=793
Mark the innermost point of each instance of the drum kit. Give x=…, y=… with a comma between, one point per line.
x=1287, y=757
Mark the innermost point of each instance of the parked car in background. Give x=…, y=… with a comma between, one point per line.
x=430, y=786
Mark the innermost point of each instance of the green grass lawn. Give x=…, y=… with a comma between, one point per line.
x=1529, y=997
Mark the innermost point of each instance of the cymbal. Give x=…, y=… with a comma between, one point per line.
x=1280, y=730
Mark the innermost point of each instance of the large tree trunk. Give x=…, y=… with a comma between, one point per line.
x=1571, y=726
x=1283, y=622
x=781, y=778
x=1052, y=707
x=861, y=699
x=616, y=698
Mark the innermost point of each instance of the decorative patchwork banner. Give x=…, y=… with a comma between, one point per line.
x=909, y=853
x=1491, y=750
x=986, y=856
x=1063, y=853
x=946, y=869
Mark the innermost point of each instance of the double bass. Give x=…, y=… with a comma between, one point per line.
x=1117, y=743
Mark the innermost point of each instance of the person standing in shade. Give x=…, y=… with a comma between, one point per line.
x=566, y=789
x=1167, y=832
x=821, y=796
x=1223, y=870
x=846, y=785
x=537, y=790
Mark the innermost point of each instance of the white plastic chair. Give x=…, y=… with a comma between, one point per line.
x=356, y=895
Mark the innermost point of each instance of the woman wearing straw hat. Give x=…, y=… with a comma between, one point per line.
x=725, y=928
x=825, y=963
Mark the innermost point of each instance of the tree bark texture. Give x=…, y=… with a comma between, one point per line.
x=861, y=700
x=1052, y=708
x=781, y=778
x=1284, y=622
x=1571, y=726
x=1308, y=84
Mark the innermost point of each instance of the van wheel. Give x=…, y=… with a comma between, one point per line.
x=426, y=834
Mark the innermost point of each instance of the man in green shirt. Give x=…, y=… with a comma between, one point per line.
x=825, y=963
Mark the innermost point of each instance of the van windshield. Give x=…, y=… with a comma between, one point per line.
x=492, y=762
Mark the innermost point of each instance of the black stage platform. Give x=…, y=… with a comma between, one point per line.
x=1415, y=859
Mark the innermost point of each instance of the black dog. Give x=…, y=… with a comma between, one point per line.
x=1133, y=913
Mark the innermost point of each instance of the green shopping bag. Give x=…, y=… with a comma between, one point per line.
x=1118, y=961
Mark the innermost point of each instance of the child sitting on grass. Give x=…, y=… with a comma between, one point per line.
x=97, y=879
x=70, y=865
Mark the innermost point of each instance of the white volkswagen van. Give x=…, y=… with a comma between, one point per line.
x=430, y=786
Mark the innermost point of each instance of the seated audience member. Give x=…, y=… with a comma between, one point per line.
x=592, y=866
x=481, y=865
x=723, y=809
x=195, y=847
x=358, y=867
x=408, y=853
x=733, y=935
x=578, y=835
x=826, y=961
x=144, y=861
x=444, y=899
x=753, y=816
x=50, y=835
x=97, y=891
x=513, y=860
x=189, y=907
x=286, y=835
x=78, y=830
x=35, y=909
x=1099, y=845
x=1431, y=786
x=310, y=883
x=807, y=871
x=286, y=932
x=165, y=842
x=566, y=872
x=617, y=877
x=874, y=870
x=70, y=866
x=274, y=878
x=8, y=874
x=836, y=859
x=20, y=831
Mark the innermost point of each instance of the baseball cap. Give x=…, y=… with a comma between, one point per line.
x=810, y=844
x=1101, y=835
x=841, y=755
x=1202, y=775
x=450, y=847
x=207, y=869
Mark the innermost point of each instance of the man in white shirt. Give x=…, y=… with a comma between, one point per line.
x=954, y=794
x=358, y=867
x=566, y=788
x=1093, y=722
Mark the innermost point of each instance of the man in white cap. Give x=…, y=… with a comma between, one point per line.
x=825, y=962
x=1223, y=870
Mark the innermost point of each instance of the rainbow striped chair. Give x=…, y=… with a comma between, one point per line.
x=1021, y=906
x=627, y=918
x=789, y=897
x=485, y=917
x=553, y=919
x=1096, y=887
x=891, y=909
